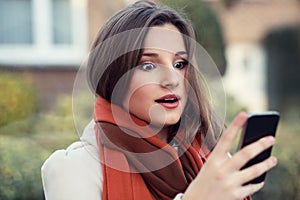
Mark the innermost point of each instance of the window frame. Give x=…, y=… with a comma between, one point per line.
x=43, y=51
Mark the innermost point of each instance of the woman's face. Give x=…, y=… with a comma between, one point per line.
x=157, y=92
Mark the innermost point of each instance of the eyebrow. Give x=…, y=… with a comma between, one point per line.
x=180, y=53
x=150, y=54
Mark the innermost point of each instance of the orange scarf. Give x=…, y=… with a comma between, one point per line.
x=130, y=168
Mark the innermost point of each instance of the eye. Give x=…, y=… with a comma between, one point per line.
x=180, y=65
x=147, y=66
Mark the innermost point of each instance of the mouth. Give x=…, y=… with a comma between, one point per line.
x=169, y=101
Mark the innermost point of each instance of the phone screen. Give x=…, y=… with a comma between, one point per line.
x=259, y=125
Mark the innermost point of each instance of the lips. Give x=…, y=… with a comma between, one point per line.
x=169, y=101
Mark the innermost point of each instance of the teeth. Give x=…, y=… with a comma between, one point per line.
x=168, y=100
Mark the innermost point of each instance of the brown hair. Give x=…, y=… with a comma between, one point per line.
x=112, y=56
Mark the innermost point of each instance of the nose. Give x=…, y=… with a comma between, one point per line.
x=170, y=78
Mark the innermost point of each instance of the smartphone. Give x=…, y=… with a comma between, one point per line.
x=257, y=126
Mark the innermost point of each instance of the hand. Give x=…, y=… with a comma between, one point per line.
x=221, y=177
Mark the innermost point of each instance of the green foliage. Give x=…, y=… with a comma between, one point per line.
x=18, y=127
x=283, y=181
x=83, y=109
x=55, y=129
x=17, y=98
x=22, y=154
x=233, y=107
x=207, y=28
x=20, y=162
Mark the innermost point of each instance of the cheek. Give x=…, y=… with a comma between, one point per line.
x=142, y=96
x=140, y=86
x=140, y=103
x=138, y=99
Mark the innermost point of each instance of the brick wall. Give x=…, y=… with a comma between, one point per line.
x=49, y=82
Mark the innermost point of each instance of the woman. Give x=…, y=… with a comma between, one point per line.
x=153, y=129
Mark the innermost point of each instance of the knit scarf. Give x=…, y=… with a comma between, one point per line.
x=136, y=164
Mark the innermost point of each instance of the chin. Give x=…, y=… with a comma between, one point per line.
x=170, y=122
x=164, y=120
x=164, y=123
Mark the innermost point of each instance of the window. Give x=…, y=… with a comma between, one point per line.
x=61, y=26
x=15, y=14
x=43, y=32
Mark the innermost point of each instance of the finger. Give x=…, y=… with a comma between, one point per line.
x=256, y=170
x=250, y=189
x=225, y=143
x=250, y=151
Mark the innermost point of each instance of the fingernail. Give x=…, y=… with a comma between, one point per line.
x=273, y=160
x=271, y=139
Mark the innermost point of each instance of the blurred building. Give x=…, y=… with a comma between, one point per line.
x=246, y=25
x=49, y=39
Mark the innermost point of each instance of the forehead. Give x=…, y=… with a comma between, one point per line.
x=166, y=37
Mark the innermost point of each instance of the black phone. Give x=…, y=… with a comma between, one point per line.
x=257, y=126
